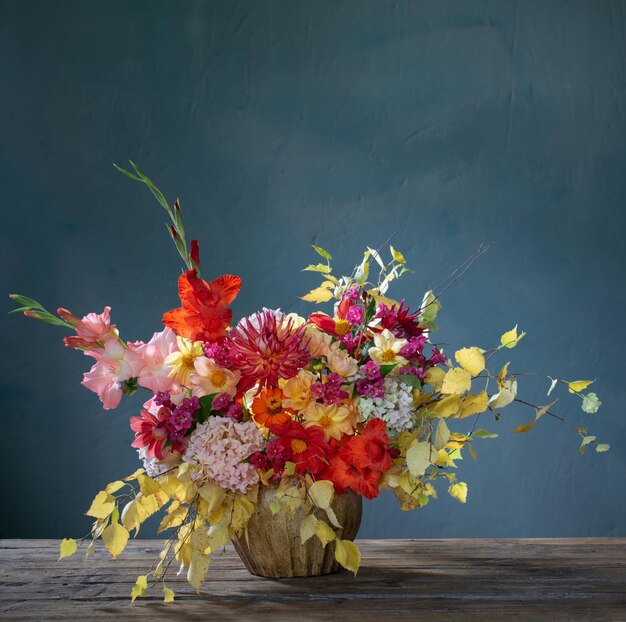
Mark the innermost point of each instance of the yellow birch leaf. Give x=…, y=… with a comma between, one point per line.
x=473, y=453
x=510, y=339
x=442, y=435
x=323, y=293
x=140, y=587
x=324, y=532
x=348, y=555
x=321, y=493
x=114, y=486
x=332, y=517
x=579, y=385
x=445, y=407
x=397, y=255
x=307, y=528
x=198, y=569
x=102, y=505
x=601, y=447
x=242, y=511
x=67, y=548
x=502, y=374
x=219, y=536
x=457, y=381
x=434, y=377
x=168, y=595
x=134, y=475
x=213, y=494
x=525, y=427
x=507, y=394
x=418, y=458
x=115, y=537
x=474, y=404
x=147, y=485
x=91, y=549
x=133, y=515
x=470, y=359
x=172, y=519
x=459, y=491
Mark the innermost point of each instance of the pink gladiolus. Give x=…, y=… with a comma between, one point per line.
x=154, y=374
x=94, y=327
x=114, y=364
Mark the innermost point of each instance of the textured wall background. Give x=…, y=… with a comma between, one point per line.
x=281, y=124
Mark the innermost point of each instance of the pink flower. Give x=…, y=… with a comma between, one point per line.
x=151, y=433
x=154, y=374
x=267, y=346
x=114, y=364
x=94, y=327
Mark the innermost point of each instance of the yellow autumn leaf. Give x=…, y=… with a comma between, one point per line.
x=419, y=457
x=307, y=528
x=67, y=548
x=502, y=375
x=242, y=511
x=168, y=595
x=102, y=505
x=434, y=377
x=134, y=475
x=115, y=537
x=133, y=515
x=140, y=587
x=470, y=359
x=321, y=493
x=506, y=395
x=510, y=339
x=457, y=381
x=397, y=255
x=147, y=485
x=442, y=435
x=171, y=519
x=348, y=555
x=219, y=536
x=324, y=532
x=446, y=406
x=323, y=293
x=459, y=491
x=525, y=427
x=198, y=569
x=213, y=494
x=579, y=385
x=474, y=404
x=114, y=486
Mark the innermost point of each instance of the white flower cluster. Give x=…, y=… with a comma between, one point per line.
x=152, y=466
x=395, y=409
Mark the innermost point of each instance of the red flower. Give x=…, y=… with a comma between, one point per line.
x=357, y=462
x=151, y=432
x=204, y=315
x=337, y=328
x=305, y=447
x=399, y=321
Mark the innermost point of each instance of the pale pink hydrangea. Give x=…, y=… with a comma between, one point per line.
x=219, y=447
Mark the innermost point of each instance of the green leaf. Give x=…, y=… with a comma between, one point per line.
x=587, y=440
x=206, y=402
x=385, y=369
x=591, y=403
x=602, y=447
x=411, y=379
x=429, y=310
x=320, y=251
x=318, y=267
x=484, y=434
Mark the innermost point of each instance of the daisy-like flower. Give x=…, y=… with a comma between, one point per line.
x=151, y=433
x=267, y=346
x=297, y=390
x=333, y=419
x=268, y=408
x=386, y=349
x=182, y=362
x=208, y=378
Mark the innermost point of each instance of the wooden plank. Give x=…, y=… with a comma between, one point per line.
x=478, y=579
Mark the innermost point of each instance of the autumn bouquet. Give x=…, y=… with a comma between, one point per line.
x=356, y=401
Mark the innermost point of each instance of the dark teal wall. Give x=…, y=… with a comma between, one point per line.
x=281, y=124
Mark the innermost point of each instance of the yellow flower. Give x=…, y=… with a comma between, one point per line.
x=210, y=378
x=386, y=349
x=297, y=391
x=182, y=362
x=333, y=419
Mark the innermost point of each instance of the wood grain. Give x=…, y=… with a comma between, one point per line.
x=434, y=580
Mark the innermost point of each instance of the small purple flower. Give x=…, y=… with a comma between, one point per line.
x=414, y=370
x=163, y=398
x=371, y=388
x=437, y=357
x=221, y=402
x=234, y=411
x=317, y=390
x=371, y=370
x=353, y=293
x=218, y=353
x=350, y=343
x=355, y=315
x=414, y=346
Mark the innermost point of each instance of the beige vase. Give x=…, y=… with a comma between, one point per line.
x=273, y=548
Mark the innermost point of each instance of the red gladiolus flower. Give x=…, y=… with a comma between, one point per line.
x=204, y=315
x=357, y=462
x=305, y=447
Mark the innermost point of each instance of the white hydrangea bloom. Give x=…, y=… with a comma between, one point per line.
x=152, y=466
x=395, y=409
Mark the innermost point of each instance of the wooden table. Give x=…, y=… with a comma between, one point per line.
x=434, y=580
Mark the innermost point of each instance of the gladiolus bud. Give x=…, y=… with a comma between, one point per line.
x=174, y=234
x=68, y=316
x=194, y=252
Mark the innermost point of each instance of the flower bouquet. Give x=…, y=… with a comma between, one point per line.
x=268, y=433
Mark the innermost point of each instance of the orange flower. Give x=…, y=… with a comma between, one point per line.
x=204, y=314
x=267, y=408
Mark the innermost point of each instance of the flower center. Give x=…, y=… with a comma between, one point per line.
x=218, y=378
x=325, y=421
x=342, y=327
x=389, y=356
x=274, y=405
x=188, y=360
x=298, y=446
